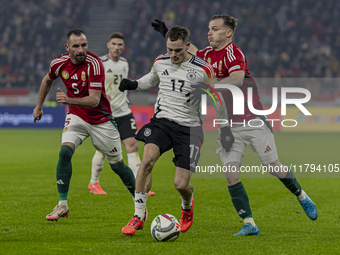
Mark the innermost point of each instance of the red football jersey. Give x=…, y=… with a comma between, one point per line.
x=78, y=79
x=224, y=62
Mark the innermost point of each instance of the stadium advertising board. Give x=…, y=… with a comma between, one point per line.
x=22, y=117
x=323, y=119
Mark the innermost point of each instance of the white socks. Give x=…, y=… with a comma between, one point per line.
x=97, y=166
x=134, y=162
x=140, y=204
x=249, y=220
x=302, y=196
x=186, y=205
x=63, y=203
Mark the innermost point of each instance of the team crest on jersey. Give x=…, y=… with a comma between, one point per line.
x=209, y=60
x=147, y=132
x=65, y=129
x=220, y=66
x=191, y=75
x=65, y=75
x=83, y=76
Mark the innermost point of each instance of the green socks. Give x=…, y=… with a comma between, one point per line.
x=126, y=175
x=240, y=199
x=64, y=171
x=291, y=183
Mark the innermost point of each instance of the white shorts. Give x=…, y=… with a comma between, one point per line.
x=258, y=138
x=105, y=136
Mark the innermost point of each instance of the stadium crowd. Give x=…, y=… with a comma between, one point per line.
x=292, y=38
x=30, y=31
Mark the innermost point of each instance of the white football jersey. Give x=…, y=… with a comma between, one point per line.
x=114, y=73
x=175, y=82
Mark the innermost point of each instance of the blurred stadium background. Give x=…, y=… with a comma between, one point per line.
x=294, y=40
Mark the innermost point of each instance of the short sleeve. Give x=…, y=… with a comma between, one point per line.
x=97, y=75
x=235, y=60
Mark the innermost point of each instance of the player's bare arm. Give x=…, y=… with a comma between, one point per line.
x=92, y=100
x=235, y=78
x=192, y=49
x=45, y=87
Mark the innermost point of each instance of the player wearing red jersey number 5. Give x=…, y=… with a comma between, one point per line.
x=89, y=114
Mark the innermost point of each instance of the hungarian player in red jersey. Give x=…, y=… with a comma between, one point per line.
x=89, y=114
x=230, y=66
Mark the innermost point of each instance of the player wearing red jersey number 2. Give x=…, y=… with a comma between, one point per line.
x=230, y=66
x=89, y=114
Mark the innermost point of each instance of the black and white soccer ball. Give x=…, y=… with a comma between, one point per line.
x=165, y=227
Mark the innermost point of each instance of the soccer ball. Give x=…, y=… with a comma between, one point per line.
x=165, y=227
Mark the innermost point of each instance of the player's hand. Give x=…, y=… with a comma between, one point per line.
x=227, y=138
x=62, y=97
x=195, y=96
x=37, y=113
x=160, y=27
x=127, y=84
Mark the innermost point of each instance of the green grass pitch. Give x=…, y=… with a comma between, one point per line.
x=28, y=192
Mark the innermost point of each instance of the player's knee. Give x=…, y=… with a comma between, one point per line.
x=232, y=181
x=148, y=162
x=132, y=147
x=181, y=185
x=130, y=144
x=65, y=153
x=114, y=159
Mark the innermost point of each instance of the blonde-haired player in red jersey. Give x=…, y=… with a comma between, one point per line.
x=89, y=114
x=175, y=125
x=230, y=66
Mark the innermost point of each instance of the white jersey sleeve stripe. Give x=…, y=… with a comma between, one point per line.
x=59, y=60
x=96, y=65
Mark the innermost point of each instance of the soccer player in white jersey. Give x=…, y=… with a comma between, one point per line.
x=230, y=66
x=175, y=125
x=116, y=69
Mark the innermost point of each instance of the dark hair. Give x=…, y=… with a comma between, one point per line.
x=229, y=21
x=76, y=32
x=116, y=35
x=175, y=33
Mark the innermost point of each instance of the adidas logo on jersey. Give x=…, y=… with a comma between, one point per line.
x=165, y=72
x=109, y=71
x=214, y=65
x=74, y=77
